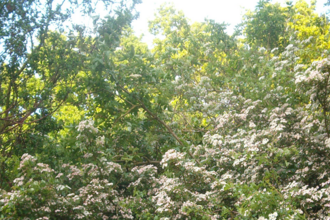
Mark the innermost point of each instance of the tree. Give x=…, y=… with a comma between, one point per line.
x=39, y=65
x=265, y=26
x=311, y=29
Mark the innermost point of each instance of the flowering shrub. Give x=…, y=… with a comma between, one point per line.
x=86, y=191
x=258, y=162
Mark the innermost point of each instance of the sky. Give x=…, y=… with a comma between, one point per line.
x=228, y=11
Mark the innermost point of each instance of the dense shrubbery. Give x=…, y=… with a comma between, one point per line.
x=204, y=126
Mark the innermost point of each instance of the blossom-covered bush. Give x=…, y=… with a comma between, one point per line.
x=261, y=161
x=256, y=163
x=91, y=190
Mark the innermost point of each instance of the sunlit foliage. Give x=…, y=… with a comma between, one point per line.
x=206, y=125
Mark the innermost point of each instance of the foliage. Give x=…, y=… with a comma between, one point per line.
x=265, y=27
x=311, y=29
x=205, y=125
x=39, y=67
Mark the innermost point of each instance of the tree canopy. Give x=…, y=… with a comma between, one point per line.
x=204, y=125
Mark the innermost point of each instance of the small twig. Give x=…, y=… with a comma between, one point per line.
x=137, y=163
x=126, y=113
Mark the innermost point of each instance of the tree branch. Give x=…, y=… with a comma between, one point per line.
x=183, y=144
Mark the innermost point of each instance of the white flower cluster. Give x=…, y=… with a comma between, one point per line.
x=171, y=155
x=87, y=125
